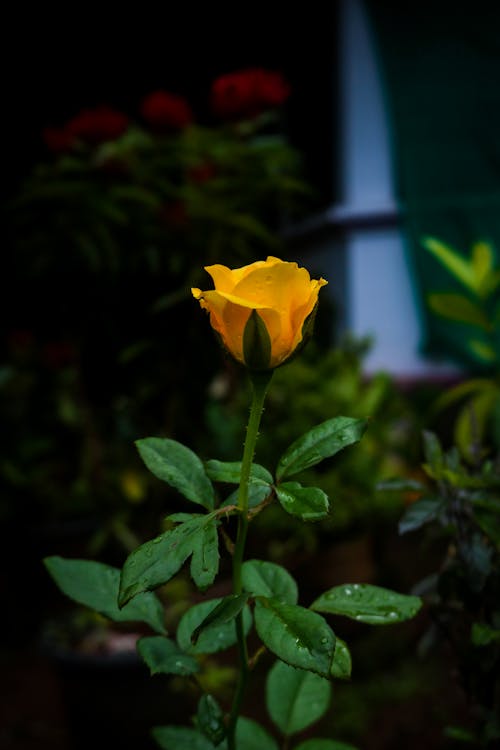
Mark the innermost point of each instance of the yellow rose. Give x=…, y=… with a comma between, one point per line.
x=260, y=310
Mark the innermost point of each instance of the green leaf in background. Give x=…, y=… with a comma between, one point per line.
x=366, y=603
x=295, y=698
x=230, y=471
x=323, y=441
x=251, y=736
x=483, y=262
x=419, y=513
x=181, y=738
x=224, y=612
x=489, y=522
x=306, y=503
x=453, y=261
x=163, y=656
x=96, y=585
x=155, y=562
x=433, y=450
x=323, y=744
x=263, y=578
x=177, y=465
x=458, y=307
x=296, y=635
x=482, y=351
x=210, y=719
x=482, y=634
x=471, y=423
x=216, y=637
x=342, y=662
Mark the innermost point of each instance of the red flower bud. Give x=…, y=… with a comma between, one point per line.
x=165, y=111
x=98, y=125
x=247, y=93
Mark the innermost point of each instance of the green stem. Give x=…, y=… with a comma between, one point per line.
x=260, y=383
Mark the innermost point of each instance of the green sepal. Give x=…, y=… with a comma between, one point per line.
x=256, y=343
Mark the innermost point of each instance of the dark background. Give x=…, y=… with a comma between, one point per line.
x=57, y=62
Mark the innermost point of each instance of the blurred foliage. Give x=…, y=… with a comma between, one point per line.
x=318, y=385
x=459, y=508
x=477, y=310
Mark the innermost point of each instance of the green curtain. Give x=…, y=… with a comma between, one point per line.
x=440, y=66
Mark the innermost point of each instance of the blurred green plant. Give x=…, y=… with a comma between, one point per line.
x=477, y=309
x=459, y=507
x=317, y=385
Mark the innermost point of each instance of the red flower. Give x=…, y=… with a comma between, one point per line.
x=58, y=140
x=166, y=111
x=98, y=125
x=247, y=93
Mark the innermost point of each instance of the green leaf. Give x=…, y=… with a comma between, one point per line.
x=226, y=611
x=323, y=744
x=453, y=261
x=155, y=562
x=296, y=635
x=295, y=698
x=459, y=308
x=433, y=451
x=483, y=635
x=251, y=736
x=210, y=719
x=177, y=465
x=230, y=471
x=366, y=603
x=257, y=493
x=419, y=513
x=163, y=656
x=461, y=390
x=472, y=421
x=400, y=485
x=318, y=743
x=262, y=578
x=306, y=503
x=483, y=260
x=342, y=662
x=180, y=738
x=96, y=586
x=489, y=522
x=216, y=637
x=205, y=560
x=482, y=351
x=323, y=441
